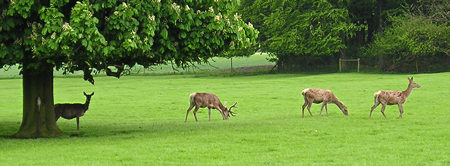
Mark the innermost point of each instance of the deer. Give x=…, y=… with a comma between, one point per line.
x=202, y=100
x=398, y=97
x=320, y=96
x=73, y=110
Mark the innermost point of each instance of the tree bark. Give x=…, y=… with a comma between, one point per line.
x=343, y=56
x=380, y=29
x=38, y=83
x=380, y=15
x=231, y=61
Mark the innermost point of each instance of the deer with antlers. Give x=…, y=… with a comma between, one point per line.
x=73, y=110
x=393, y=97
x=321, y=96
x=202, y=100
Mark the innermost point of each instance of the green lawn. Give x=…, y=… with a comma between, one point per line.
x=215, y=64
x=139, y=120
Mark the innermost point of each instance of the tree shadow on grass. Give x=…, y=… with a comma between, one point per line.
x=153, y=128
x=8, y=128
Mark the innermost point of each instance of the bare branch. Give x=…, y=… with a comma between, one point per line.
x=117, y=74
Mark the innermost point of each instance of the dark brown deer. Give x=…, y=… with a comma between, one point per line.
x=73, y=110
x=318, y=96
x=393, y=97
x=202, y=100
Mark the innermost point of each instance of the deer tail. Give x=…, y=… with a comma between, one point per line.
x=376, y=96
x=305, y=91
x=191, y=97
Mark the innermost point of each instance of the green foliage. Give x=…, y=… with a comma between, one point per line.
x=413, y=39
x=301, y=27
x=88, y=35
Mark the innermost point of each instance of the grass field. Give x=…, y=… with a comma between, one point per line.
x=139, y=120
x=216, y=64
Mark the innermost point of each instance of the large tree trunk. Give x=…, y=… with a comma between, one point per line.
x=38, y=83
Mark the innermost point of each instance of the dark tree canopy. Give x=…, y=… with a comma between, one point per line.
x=109, y=35
x=100, y=34
x=300, y=28
x=304, y=34
x=417, y=40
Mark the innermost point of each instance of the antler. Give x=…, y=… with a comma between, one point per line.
x=233, y=106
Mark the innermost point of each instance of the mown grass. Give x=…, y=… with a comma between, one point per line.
x=217, y=65
x=139, y=120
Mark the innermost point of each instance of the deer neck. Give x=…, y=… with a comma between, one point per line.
x=223, y=108
x=86, y=104
x=339, y=104
x=408, y=91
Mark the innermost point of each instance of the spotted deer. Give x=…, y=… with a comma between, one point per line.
x=393, y=97
x=320, y=96
x=202, y=100
x=73, y=110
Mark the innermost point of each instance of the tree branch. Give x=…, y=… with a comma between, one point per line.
x=117, y=74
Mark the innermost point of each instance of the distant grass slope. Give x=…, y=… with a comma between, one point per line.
x=139, y=120
x=215, y=64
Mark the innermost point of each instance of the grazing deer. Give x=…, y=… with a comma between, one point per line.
x=73, y=110
x=202, y=100
x=318, y=96
x=393, y=97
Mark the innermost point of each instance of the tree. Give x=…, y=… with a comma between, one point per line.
x=301, y=28
x=109, y=35
x=417, y=39
x=239, y=51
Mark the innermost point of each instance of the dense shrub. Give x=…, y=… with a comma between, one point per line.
x=416, y=41
x=300, y=32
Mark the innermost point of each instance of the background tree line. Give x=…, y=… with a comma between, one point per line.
x=400, y=36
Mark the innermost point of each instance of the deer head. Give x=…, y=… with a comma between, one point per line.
x=88, y=100
x=88, y=96
x=344, y=110
x=342, y=107
x=412, y=83
x=228, y=112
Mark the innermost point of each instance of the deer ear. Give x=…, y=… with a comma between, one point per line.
x=85, y=93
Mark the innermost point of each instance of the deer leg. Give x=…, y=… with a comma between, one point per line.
x=56, y=118
x=382, y=109
x=78, y=123
x=321, y=108
x=195, y=113
x=303, y=108
x=400, y=108
x=309, y=108
x=209, y=114
x=373, y=107
x=326, y=109
x=187, y=113
x=57, y=115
